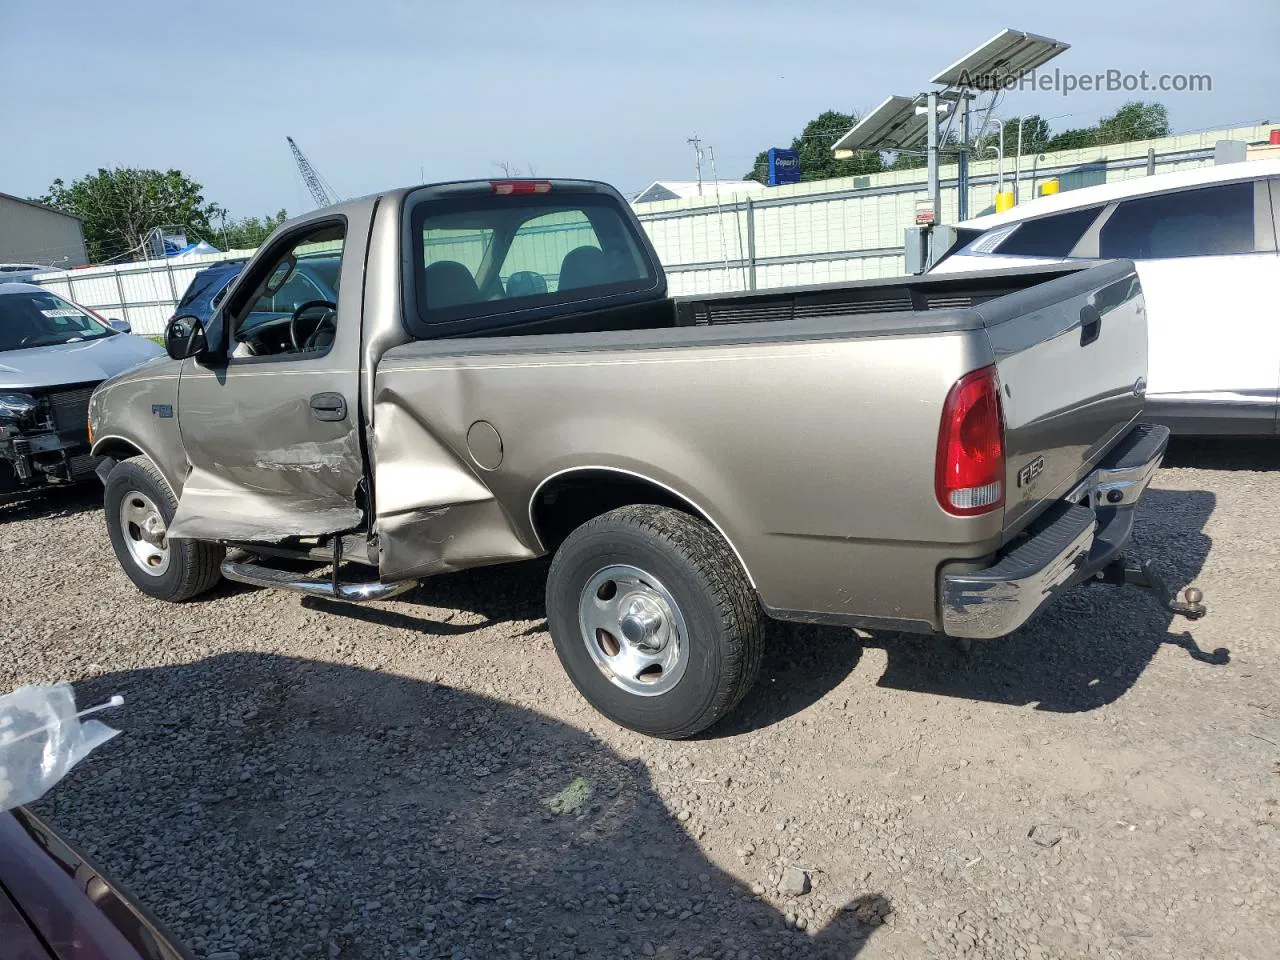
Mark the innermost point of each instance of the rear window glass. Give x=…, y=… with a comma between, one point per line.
x=200, y=285
x=1187, y=223
x=1052, y=236
x=491, y=256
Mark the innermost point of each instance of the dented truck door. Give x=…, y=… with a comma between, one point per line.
x=271, y=427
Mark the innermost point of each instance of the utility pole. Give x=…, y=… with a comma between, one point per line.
x=697, y=157
x=962, y=160
x=932, y=173
x=1017, y=164
x=715, y=180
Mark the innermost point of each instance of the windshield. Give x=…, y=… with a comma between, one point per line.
x=31, y=319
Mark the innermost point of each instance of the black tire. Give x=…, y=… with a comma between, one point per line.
x=700, y=572
x=192, y=566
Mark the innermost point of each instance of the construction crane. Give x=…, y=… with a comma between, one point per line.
x=321, y=192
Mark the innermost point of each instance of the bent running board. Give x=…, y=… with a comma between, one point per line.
x=331, y=588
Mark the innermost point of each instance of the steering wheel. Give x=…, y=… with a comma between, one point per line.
x=329, y=319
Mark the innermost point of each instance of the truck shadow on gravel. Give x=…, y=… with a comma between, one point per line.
x=1224, y=453
x=66, y=502
x=283, y=808
x=1085, y=651
x=1090, y=646
x=802, y=664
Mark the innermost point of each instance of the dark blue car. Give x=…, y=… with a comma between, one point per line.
x=206, y=289
x=313, y=278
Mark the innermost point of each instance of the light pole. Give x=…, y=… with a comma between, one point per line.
x=1017, y=165
x=999, y=151
x=1017, y=157
x=1034, y=165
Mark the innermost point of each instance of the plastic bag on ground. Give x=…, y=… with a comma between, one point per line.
x=41, y=738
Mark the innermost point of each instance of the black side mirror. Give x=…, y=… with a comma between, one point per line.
x=184, y=337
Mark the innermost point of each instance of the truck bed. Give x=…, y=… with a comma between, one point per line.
x=878, y=299
x=894, y=295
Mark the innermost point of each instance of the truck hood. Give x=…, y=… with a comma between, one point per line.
x=88, y=361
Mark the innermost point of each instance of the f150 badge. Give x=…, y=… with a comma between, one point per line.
x=1032, y=470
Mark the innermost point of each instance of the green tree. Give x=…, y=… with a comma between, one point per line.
x=1035, y=134
x=120, y=205
x=817, y=162
x=903, y=160
x=246, y=233
x=918, y=157
x=1074, y=139
x=1136, y=120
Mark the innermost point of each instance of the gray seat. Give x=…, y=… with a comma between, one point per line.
x=525, y=283
x=584, y=267
x=449, y=284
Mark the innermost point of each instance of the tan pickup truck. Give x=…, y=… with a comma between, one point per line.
x=503, y=376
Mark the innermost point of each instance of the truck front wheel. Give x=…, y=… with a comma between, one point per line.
x=654, y=620
x=139, y=507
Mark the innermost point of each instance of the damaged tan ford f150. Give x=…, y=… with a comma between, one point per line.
x=503, y=376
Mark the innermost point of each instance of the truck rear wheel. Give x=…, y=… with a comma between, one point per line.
x=654, y=620
x=139, y=507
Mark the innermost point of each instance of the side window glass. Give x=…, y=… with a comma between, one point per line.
x=293, y=306
x=1210, y=221
x=1052, y=236
x=296, y=289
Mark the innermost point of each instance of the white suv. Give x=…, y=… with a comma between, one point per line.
x=1204, y=242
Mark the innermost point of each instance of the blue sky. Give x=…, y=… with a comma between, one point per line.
x=382, y=93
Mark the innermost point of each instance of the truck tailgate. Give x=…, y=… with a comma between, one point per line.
x=1071, y=358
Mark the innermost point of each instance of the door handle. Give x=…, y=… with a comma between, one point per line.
x=1090, y=324
x=330, y=407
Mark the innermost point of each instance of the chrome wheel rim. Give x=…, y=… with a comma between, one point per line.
x=145, y=533
x=634, y=630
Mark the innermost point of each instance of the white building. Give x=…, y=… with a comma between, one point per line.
x=691, y=189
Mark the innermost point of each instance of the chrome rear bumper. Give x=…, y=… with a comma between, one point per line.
x=1077, y=538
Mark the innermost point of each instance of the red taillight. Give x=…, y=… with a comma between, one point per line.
x=970, y=478
x=515, y=188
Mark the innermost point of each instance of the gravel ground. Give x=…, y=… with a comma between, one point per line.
x=420, y=779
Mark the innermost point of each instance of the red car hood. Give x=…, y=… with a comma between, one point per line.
x=55, y=905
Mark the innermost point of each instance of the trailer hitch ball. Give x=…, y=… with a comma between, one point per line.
x=1193, y=609
x=1144, y=575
